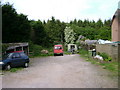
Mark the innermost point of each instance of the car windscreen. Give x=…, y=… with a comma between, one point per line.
x=58, y=47
x=5, y=56
x=23, y=54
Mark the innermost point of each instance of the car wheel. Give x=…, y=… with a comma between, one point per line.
x=7, y=67
x=54, y=54
x=26, y=65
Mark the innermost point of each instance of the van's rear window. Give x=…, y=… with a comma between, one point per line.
x=57, y=47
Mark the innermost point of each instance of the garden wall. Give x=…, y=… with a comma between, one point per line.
x=110, y=49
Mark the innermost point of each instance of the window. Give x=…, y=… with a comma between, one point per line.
x=22, y=54
x=16, y=55
x=7, y=55
x=58, y=47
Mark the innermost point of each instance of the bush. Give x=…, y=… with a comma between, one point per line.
x=83, y=51
x=4, y=47
x=35, y=50
x=105, y=56
x=108, y=59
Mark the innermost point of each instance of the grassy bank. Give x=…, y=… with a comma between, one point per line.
x=35, y=51
x=111, y=66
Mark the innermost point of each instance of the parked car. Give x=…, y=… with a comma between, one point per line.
x=58, y=50
x=14, y=59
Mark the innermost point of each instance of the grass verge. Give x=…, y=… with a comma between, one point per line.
x=41, y=55
x=111, y=66
x=11, y=70
x=15, y=69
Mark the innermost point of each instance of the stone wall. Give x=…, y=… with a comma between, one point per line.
x=110, y=49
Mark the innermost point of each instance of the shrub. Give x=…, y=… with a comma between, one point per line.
x=105, y=56
x=108, y=59
x=35, y=49
x=4, y=47
x=83, y=52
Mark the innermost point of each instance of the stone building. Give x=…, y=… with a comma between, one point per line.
x=116, y=26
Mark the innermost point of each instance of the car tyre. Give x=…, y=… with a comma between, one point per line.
x=8, y=67
x=61, y=54
x=26, y=65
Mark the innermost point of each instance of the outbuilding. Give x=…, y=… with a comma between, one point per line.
x=17, y=47
x=70, y=46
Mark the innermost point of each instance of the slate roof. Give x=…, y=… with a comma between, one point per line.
x=116, y=15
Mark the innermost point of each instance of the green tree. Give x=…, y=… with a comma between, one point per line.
x=69, y=35
x=99, y=24
x=38, y=33
x=92, y=29
x=15, y=27
x=107, y=23
x=105, y=33
x=9, y=18
x=54, y=29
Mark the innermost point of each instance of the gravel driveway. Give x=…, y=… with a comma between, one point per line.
x=68, y=71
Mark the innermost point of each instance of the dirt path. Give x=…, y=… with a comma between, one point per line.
x=68, y=71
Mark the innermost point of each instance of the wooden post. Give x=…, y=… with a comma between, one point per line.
x=22, y=48
x=15, y=49
x=28, y=50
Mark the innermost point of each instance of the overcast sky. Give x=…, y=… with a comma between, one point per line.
x=66, y=10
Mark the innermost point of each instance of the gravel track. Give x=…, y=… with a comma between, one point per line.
x=68, y=71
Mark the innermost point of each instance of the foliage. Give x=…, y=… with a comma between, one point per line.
x=4, y=47
x=35, y=50
x=108, y=59
x=91, y=29
x=16, y=27
x=105, y=56
x=112, y=66
x=0, y=49
x=38, y=33
x=15, y=69
x=83, y=52
x=55, y=30
x=69, y=35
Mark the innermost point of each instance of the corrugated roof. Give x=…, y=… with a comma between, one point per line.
x=15, y=45
x=91, y=41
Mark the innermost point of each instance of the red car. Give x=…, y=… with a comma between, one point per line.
x=58, y=50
